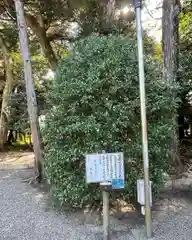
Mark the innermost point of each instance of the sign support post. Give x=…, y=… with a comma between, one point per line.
x=105, y=194
x=108, y=170
x=105, y=215
x=143, y=119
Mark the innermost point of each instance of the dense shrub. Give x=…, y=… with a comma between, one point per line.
x=96, y=106
x=185, y=73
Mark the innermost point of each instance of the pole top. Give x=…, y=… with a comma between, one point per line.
x=138, y=3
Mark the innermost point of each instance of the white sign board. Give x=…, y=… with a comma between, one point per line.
x=141, y=192
x=104, y=167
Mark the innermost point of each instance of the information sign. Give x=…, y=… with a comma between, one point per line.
x=105, y=167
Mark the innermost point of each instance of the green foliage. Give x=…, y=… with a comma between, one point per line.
x=96, y=106
x=185, y=56
x=186, y=31
x=18, y=104
x=185, y=73
x=8, y=32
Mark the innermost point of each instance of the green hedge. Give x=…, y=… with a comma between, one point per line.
x=96, y=106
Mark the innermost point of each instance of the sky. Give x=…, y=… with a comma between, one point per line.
x=151, y=18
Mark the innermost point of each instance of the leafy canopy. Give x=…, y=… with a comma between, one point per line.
x=96, y=106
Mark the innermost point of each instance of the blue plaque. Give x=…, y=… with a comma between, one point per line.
x=118, y=183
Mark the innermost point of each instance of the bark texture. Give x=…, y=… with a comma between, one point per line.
x=7, y=92
x=30, y=89
x=170, y=41
x=110, y=12
x=37, y=26
x=170, y=27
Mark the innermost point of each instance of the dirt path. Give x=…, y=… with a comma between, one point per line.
x=24, y=214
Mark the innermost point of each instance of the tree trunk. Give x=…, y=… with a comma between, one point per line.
x=47, y=50
x=170, y=28
x=170, y=41
x=30, y=89
x=110, y=12
x=37, y=26
x=36, y=23
x=109, y=16
x=7, y=92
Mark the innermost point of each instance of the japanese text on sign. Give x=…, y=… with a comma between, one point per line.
x=104, y=167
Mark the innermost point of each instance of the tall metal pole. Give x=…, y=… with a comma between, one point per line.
x=143, y=119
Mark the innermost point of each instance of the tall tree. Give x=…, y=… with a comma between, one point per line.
x=170, y=44
x=170, y=41
x=109, y=14
x=7, y=92
x=30, y=89
x=50, y=20
x=37, y=25
x=38, y=19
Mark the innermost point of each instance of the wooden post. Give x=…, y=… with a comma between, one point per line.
x=30, y=89
x=105, y=186
x=105, y=215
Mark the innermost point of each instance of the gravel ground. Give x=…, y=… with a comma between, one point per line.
x=178, y=226
x=24, y=216
x=174, y=227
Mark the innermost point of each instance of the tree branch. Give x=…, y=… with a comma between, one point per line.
x=3, y=46
x=44, y=41
x=7, y=12
x=151, y=14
